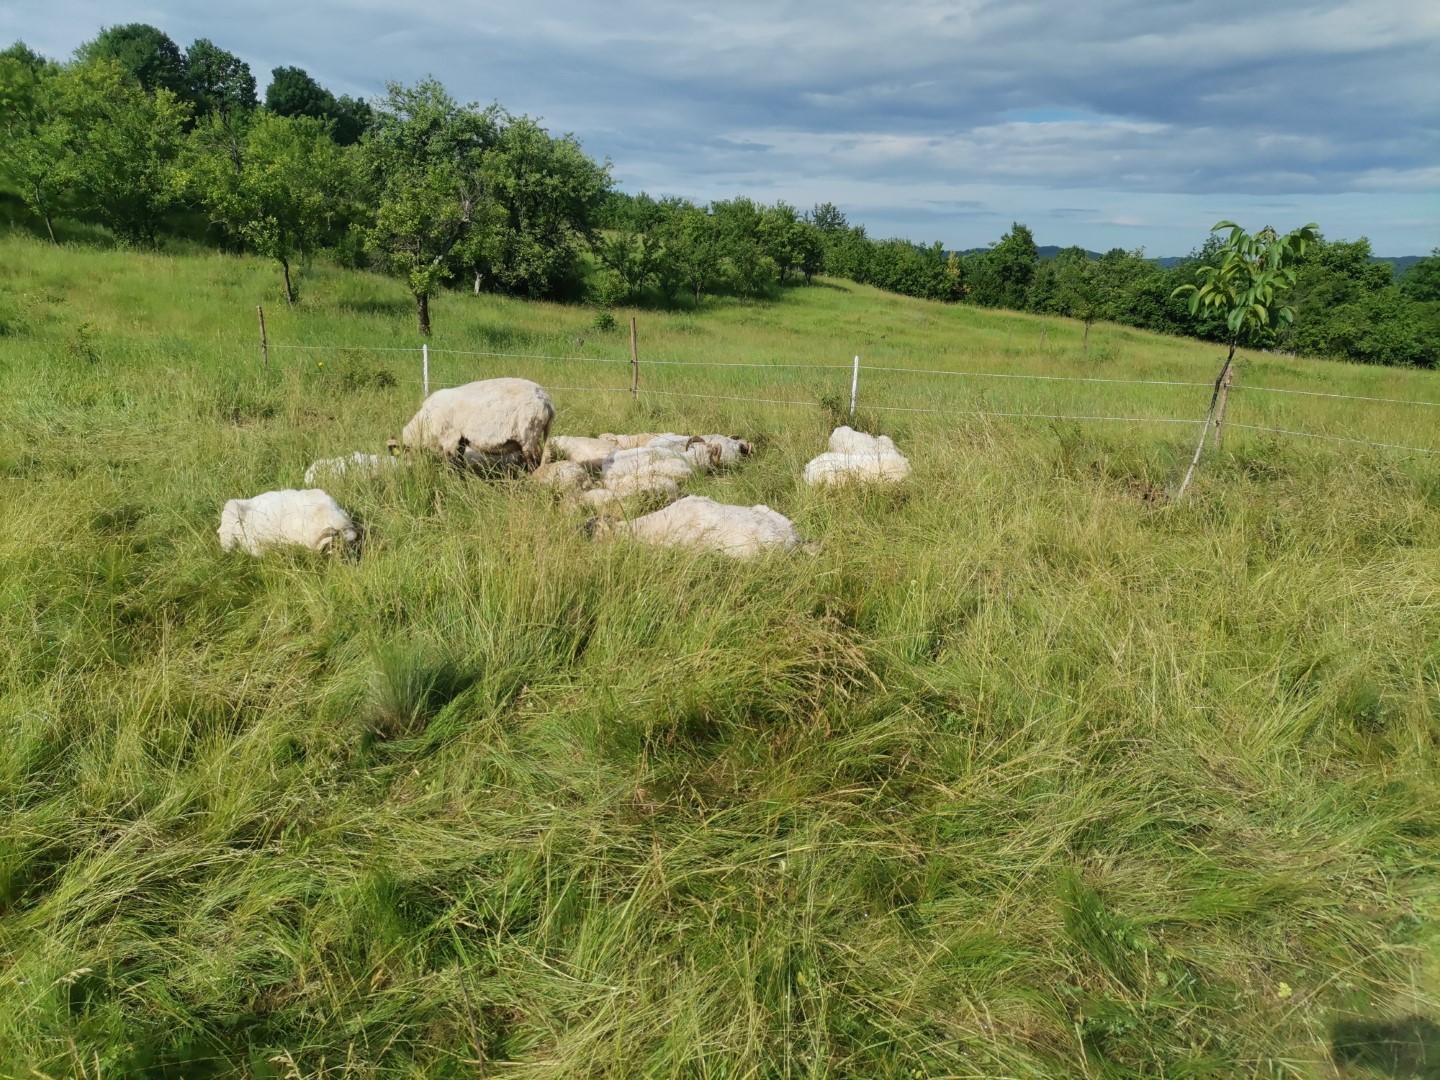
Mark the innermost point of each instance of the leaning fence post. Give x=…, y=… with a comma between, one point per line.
x=1225, y=384
x=634, y=361
x=425, y=370
x=854, y=384
x=264, y=344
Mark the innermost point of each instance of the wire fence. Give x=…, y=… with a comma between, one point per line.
x=425, y=353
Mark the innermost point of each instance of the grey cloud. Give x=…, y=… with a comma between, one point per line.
x=911, y=111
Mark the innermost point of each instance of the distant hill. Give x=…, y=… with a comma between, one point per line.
x=1400, y=263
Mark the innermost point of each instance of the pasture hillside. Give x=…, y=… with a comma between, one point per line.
x=1031, y=771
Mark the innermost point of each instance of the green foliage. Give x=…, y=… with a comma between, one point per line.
x=1001, y=276
x=424, y=168
x=541, y=196
x=292, y=92
x=1246, y=285
x=121, y=144
x=35, y=151
x=693, y=249
x=146, y=54
x=218, y=82
x=278, y=190
x=1422, y=281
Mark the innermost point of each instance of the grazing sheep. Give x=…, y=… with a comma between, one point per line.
x=307, y=518
x=487, y=424
x=698, y=522
x=339, y=466
x=856, y=456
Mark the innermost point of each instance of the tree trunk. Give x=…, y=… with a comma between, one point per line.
x=289, y=292
x=697, y=294
x=51, y=230
x=1086, y=346
x=422, y=313
x=477, y=282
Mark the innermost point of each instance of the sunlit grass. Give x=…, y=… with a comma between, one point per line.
x=1029, y=772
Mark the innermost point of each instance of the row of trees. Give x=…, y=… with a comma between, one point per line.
x=139, y=137
x=144, y=138
x=1346, y=304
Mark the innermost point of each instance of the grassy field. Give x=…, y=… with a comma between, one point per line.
x=1030, y=772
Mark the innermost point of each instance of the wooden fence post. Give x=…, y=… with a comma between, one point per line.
x=634, y=361
x=264, y=344
x=1225, y=384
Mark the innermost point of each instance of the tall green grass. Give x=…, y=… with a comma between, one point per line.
x=1029, y=772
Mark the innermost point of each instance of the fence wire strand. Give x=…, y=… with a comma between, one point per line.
x=959, y=412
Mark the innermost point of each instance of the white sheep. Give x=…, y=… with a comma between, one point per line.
x=308, y=518
x=856, y=456
x=357, y=461
x=494, y=422
x=698, y=522
x=653, y=460
x=587, y=453
x=562, y=476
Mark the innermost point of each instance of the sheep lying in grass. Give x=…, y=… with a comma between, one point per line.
x=704, y=451
x=356, y=462
x=857, y=457
x=494, y=423
x=698, y=522
x=309, y=518
x=638, y=470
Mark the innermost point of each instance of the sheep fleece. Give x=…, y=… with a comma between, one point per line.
x=696, y=521
x=490, y=417
x=308, y=518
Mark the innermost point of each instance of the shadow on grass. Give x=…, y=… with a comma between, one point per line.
x=1400, y=1048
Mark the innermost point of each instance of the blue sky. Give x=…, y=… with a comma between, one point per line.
x=1130, y=123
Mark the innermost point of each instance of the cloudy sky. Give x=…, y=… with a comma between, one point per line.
x=1110, y=123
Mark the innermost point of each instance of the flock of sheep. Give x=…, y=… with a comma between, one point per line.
x=504, y=425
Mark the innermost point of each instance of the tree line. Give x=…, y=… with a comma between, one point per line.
x=148, y=140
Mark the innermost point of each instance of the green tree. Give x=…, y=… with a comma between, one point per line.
x=1422, y=281
x=778, y=233
x=352, y=118
x=737, y=224
x=219, y=82
x=1247, y=283
x=543, y=199
x=693, y=249
x=147, y=54
x=282, y=197
x=1002, y=275
x=292, y=92
x=1079, y=291
x=423, y=163
x=34, y=150
x=809, y=250
x=1245, y=286
x=123, y=144
x=828, y=218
